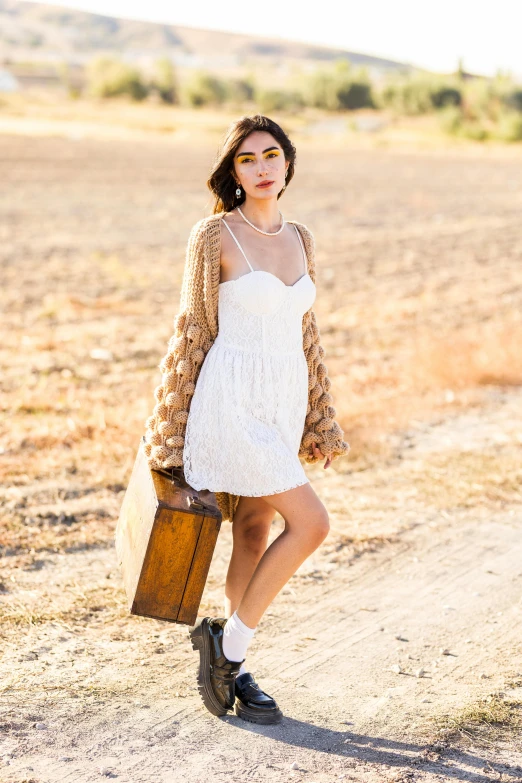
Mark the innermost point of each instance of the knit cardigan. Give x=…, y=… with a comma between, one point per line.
x=195, y=329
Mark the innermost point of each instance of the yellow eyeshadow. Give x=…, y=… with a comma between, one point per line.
x=241, y=158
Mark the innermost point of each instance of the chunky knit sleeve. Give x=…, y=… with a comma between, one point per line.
x=320, y=425
x=187, y=348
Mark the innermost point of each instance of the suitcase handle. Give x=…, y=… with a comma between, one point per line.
x=175, y=475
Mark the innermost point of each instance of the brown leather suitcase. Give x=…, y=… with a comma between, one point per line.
x=165, y=539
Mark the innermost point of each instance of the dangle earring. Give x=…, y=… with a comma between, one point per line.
x=238, y=192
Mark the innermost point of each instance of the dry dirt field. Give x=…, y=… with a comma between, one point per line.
x=395, y=651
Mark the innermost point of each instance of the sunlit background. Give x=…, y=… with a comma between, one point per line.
x=432, y=36
x=457, y=65
x=407, y=119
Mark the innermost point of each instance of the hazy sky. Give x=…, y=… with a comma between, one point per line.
x=431, y=35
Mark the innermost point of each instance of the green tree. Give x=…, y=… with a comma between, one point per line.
x=339, y=88
x=242, y=89
x=320, y=90
x=108, y=77
x=420, y=94
x=164, y=80
x=204, y=89
x=280, y=100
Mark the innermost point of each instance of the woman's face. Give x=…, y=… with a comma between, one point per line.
x=260, y=158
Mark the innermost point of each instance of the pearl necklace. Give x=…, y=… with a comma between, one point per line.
x=267, y=233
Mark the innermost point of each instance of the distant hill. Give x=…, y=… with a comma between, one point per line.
x=47, y=33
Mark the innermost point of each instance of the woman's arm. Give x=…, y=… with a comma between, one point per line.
x=320, y=427
x=187, y=348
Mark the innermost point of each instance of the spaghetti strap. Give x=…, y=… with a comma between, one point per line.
x=237, y=243
x=302, y=248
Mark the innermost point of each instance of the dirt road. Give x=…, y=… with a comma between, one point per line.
x=436, y=594
x=395, y=651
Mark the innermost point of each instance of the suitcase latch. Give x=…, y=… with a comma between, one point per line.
x=194, y=502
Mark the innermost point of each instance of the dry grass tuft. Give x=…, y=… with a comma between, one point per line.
x=103, y=603
x=482, y=720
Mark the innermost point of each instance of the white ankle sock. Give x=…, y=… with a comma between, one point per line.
x=242, y=669
x=236, y=638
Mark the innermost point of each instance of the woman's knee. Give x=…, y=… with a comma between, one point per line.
x=252, y=531
x=322, y=524
x=316, y=526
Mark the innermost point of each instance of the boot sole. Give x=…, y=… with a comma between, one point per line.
x=255, y=716
x=200, y=638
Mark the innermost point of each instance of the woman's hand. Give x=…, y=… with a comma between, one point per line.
x=318, y=453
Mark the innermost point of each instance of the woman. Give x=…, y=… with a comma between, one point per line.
x=247, y=333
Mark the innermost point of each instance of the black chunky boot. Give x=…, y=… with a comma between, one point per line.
x=216, y=674
x=253, y=704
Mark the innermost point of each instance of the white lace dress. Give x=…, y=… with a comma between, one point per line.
x=247, y=413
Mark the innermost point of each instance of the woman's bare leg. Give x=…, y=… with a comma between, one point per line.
x=306, y=527
x=250, y=531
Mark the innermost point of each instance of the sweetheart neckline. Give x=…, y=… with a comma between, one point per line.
x=265, y=272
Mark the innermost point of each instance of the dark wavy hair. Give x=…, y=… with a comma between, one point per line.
x=221, y=181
